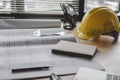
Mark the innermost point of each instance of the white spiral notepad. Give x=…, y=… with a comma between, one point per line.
x=74, y=49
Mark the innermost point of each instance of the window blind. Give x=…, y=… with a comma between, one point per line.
x=35, y=6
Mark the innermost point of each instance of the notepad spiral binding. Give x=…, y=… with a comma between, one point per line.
x=71, y=54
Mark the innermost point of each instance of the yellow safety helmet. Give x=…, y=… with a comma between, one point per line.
x=98, y=21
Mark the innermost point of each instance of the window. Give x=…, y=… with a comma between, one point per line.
x=35, y=6
x=50, y=8
x=113, y=4
x=5, y=6
x=47, y=6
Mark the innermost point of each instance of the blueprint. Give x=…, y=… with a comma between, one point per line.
x=21, y=49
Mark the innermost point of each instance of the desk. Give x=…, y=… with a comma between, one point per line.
x=108, y=54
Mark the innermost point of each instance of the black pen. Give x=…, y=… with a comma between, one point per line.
x=17, y=70
x=51, y=35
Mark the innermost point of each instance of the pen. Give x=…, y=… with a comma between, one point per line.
x=31, y=69
x=56, y=34
x=54, y=77
x=51, y=35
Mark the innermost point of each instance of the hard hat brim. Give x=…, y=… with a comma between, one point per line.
x=83, y=36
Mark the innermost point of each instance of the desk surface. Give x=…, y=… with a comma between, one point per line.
x=108, y=55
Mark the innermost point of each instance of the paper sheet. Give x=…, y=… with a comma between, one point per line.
x=19, y=48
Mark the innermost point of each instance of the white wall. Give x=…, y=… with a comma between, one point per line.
x=28, y=23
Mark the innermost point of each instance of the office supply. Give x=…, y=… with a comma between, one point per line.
x=49, y=32
x=36, y=55
x=92, y=74
x=28, y=69
x=30, y=51
x=74, y=49
x=54, y=77
x=27, y=40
